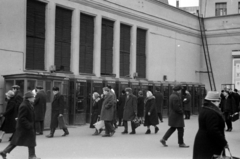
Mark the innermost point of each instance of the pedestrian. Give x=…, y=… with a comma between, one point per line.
x=236, y=97
x=25, y=133
x=96, y=109
x=176, y=119
x=140, y=106
x=120, y=107
x=114, y=121
x=159, y=103
x=228, y=108
x=57, y=111
x=186, y=99
x=10, y=115
x=107, y=112
x=130, y=111
x=40, y=109
x=210, y=138
x=151, y=118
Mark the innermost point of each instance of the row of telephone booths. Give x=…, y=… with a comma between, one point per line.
x=78, y=92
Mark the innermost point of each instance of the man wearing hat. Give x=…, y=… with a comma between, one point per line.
x=176, y=119
x=40, y=109
x=130, y=110
x=57, y=111
x=25, y=133
x=17, y=95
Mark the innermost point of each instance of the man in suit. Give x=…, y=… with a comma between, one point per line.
x=130, y=111
x=40, y=109
x=159, y=103
x=57, y=111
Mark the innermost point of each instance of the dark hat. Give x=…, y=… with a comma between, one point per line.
x=55, y=88
x=39, y=87
x=109, y=86
x=106, y=89
x=15, y=86
x=128, y=89
x=177, y=87
x=29, y=95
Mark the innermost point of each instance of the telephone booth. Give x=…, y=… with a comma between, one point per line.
x=121, y=85
x=151, y=87
x=190, y=89
x=157, y=85
x=111, y=83
x=144, y=87
x=135, y=87
x=29, y=81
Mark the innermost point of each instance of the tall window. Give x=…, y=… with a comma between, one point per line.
x=221, y=9
x=86, y=43
x=141, y=53
x=63, y=26
x=125, y=43
x=35, y=35
x=107, y=47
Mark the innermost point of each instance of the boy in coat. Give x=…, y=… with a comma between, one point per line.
x=175, y=120
x=25, y=133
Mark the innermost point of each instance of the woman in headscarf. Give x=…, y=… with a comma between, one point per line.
x=96, y=109
x=151, y=117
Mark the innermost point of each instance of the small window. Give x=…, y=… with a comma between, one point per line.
x=221, y=9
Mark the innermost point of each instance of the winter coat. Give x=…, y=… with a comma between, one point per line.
x=210, y=138
x=150, y=106
x=25, y=132
x=108, y=110
x=97, y=106
x=175, y=118
x=9, y=123
x=40, y=105
x=57, y=108
x=228, y=105
x=140, y=107
x=130, y=108
x=159, y=101
x=187, y=103
x=18, y=99
x=120, y=105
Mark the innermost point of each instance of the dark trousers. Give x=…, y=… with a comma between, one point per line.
x=187, y=114
x=39, y=126
x=120, y=121
x=10, y=147
x=108, y=127
x=94, y=119
x=228, y=120
x=125, y=123
x=180, y=134
x=160, y=116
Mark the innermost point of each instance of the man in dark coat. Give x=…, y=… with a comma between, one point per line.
x=57, y=111
x=186, y=99
x=25, y=132
x=107, y=112
x=159, y=103
x=120, y=107
x=40, y=109
x=175, y=120
x=130, y=111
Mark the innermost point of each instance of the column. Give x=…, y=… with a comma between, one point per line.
x=97, y=46
x=75, y=42
x=116, y=49
x=133, y=56
x=147, y=55
x=50, y=35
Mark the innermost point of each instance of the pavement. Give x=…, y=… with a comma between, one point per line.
x=80, y=144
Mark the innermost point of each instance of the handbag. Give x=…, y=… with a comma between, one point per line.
x=224, y=157
x=99, y=124
x=234, y=117
x=61, y=123
x=136, y=121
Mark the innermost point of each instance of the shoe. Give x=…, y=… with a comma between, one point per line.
x=95, y=133
x=161, y=121
x=106, y=135
x=0, y=140
x=156, y=129
x=124, y=132
x=183, y=146
x=34, y=157
x=230, y=130
x=163, y=142
x=99, y=131
x=65, y=134
x=49, y=136
x=112, y=133
x=37, y=133
x=133, y=132
x=4, y=155
x=148, y=131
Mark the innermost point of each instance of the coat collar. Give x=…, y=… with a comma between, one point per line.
x=149, y=98
x=211, y=106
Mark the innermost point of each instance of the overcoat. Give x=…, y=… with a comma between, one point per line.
x=130, y=108
x=96, y=110
x=150, y=106
x=40, y=105
x=57, y=108
x=108, y=110
x=187, y=102
x=175, y=111
x=159, y=101
x=140, y=107
x=25, y=134
x=121, y=104
x=228, y=105
x=210, y=138
x=9, y=123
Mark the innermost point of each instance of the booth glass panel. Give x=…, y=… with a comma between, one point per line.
x=21, y=84
x=80, y=109
x=135, y=89
x=48, y=90
x=31, y=85
x=40, y=83
x=165, y=100
x=9, y=84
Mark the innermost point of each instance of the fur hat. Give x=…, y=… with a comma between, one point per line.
x=128, y=89
x=29, y=95
x=177, y=87
x=106, y=89
x=212, y=95
x=15, y=86
x=10, y=94
x=55, y=88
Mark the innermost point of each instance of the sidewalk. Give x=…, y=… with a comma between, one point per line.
x=80, y=144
